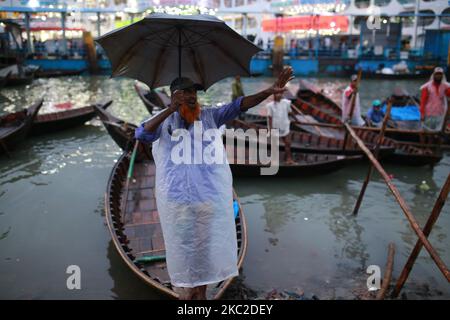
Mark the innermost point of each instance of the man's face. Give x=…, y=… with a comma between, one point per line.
x=190, y=97
x=438, y=77
x=238, y=78
x=353, y=83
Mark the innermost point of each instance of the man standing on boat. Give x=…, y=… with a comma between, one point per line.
x=278, y=112
x=195, y=201
x=433, y=101
x=347, y=97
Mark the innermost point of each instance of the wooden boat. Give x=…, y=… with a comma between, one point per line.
x=402, y=99
x=405, y=153
x=318, y=113
x=137, y=233
x=243, y=162
x=17, y=75
x=152, y=99
x=420, y=137
x=61, y=120
x=14, y=127
x=13, y=81
x=58, y=73
x=308, y=164
x=312, y=95
x=120, y=131
x=395, y=76
x=4, y=80
x=310, y=143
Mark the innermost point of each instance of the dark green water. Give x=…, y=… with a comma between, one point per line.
x=301, y=231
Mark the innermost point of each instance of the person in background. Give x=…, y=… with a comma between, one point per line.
x=278, y=112
x=375, y=115
x=236, y=88
x=433, y=100
x=347, y=97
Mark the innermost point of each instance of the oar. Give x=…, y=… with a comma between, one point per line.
x=294, y=107
x=376, y=152
x=444, y=126
x=446, y=117
x=127, y=183
x=353, y=102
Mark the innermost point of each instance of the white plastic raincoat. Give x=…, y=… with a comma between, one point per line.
x=195, y=201
x=357, y=120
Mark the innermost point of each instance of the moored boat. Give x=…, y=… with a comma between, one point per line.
x=14, y=127
x=152, y=99
x=420, y=137
x=405, y=153
x=137, y=233
x=245, y=161
x=120, y=131
x=310, y=143
x=61, y=120
x=309, y=94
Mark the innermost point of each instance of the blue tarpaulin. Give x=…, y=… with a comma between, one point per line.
x=406, y=113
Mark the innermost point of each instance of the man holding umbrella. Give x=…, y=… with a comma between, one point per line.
x=195, y=200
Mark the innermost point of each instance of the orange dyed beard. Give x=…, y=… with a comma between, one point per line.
x=188, y=114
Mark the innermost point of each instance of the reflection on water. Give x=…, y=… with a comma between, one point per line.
x=126, y=285
x=301, y=232
x=347, y=230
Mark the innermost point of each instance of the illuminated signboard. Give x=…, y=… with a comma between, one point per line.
x=305, y=23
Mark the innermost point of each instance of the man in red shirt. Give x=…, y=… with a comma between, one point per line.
x=433, y=102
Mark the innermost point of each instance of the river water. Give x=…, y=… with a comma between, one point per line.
x=302, y=235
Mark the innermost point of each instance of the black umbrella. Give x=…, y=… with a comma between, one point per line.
x=161, y=47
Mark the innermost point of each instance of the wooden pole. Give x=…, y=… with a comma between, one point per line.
x=426, y=231
x=434, y=255
x=388, y=273
x=376, y=152
x=127, y=183
x=444, y=125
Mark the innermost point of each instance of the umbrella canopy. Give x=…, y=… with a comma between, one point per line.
x=162, y=47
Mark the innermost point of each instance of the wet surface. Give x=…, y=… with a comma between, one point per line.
x=302, y=235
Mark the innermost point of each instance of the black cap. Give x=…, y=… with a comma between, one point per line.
x=184, y=83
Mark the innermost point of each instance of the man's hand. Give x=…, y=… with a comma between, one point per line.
x=278, y=87
x=177, y=100
x=285, y=76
